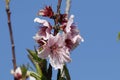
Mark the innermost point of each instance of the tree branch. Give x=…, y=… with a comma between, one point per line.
x=11, y=34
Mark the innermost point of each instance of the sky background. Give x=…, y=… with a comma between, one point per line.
x=97, y=58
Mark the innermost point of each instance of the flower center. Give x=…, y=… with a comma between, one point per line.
x=54, y=49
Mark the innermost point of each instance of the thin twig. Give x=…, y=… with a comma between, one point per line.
x=56, y=20
x=58, y=12
x=11, y=35
x=58, y=6
x=68, y=5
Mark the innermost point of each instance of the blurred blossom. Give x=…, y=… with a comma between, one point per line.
x=17, y=73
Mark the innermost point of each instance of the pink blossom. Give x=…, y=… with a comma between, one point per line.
x=56, y=51
x=57, y=48
x=46, y=12
x=72, y=34
x=44, y=31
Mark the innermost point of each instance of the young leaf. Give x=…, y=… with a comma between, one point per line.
x=40, y=64
x=24, y=71
x=31, y=59
x=34, y=55
x=118, y=38
x=35, y=75
x=43, y=66
x=39, y=71
x=59, y=75
x=66, y=73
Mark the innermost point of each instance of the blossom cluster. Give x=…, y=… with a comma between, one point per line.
x=56, y=41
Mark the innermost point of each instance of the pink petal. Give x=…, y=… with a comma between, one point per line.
x=59, y=57
x=44, y=53
x=77, y=38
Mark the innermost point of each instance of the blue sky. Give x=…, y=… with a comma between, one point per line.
x=98, y=58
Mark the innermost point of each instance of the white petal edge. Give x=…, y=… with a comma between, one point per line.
x=42, y=21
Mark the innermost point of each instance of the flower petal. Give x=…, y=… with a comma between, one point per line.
x=18, y=70
x=46, y=12
x=42, y=21
x=44, y=53
x=59, y=57
x=69, y=23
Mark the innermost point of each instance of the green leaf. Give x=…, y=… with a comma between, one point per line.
x=66, y=75
x=43, y=66
x=65, y=69
x=24, y=71
x=40, y=64
x=118, y=38
x=59, y=77
x=31, y=59
x=38, y=69
x=35, y=50
x=33, y=55
x=35, y=75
